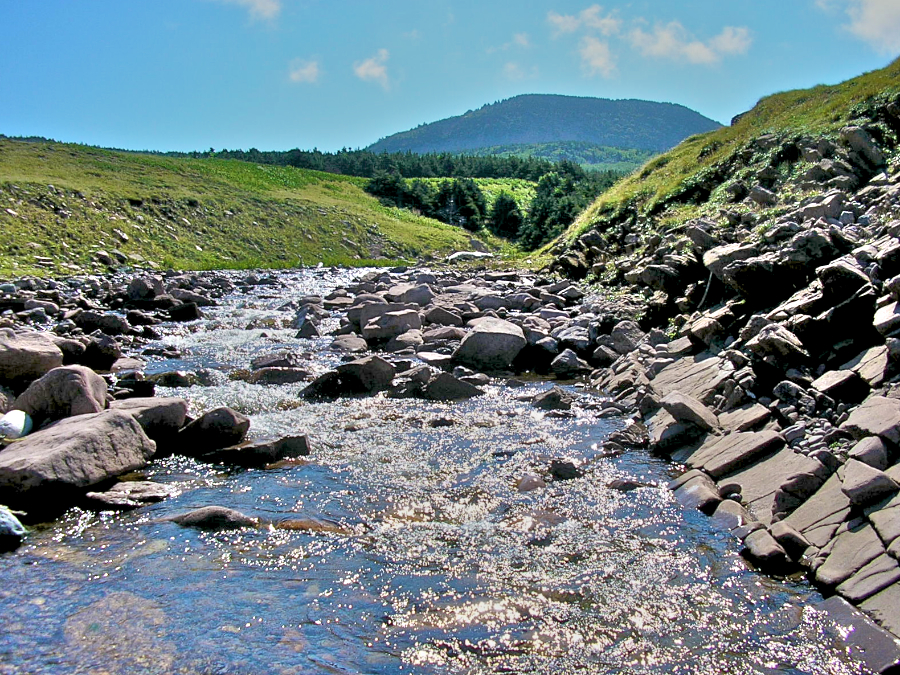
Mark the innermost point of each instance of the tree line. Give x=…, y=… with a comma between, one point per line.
x=561, y=194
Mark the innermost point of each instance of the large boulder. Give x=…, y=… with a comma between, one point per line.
x=160, y=418
x=64, y=392
x=26, y=356
x=391, y=324
x=45, y=471
x=363, y=376
x=144, y=288
x=216, y=429
x=492, y=345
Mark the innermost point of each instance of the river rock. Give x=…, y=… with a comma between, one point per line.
x=215, y=518
x=144, y=288
x=446, y=387
x=391, y=324
x=555, y=398
x=26, y=356
x=64, y=392
x=279, y=376
x=219, y=428
x=724, y=454
x=131, y=494
x=492, y=345
x=160, y=418
x=189, y=311
x=853, y=549
x=48, y=467
x=567, y=365
x=11, y=530
x=261, y=453
x=349, y=343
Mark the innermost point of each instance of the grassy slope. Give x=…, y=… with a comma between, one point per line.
x=193, y=214
x=822, y=110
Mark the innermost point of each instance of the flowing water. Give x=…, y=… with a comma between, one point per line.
x=399, y=545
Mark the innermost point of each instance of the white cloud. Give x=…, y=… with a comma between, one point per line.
x=259, y=9
x=672, y=41
x=731, y=41
x=304, y=71
x=515, y=71
x=374, y=69
x=587, y=18
x=522, y=40
x=596, y=58
x=876, y=22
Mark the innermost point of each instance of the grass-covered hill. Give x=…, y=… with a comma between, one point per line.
x=589, y=156
x=67, y=208
x=547, y=118
x=768, y=146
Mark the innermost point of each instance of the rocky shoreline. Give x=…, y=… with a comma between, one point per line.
x=805, y=478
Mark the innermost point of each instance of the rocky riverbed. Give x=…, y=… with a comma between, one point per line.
x=435, y=471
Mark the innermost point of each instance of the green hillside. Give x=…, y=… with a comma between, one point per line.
x=692, y=178
x=546, y=118
x=63, y=206
x=589, y=156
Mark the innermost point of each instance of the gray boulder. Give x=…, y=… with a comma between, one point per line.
x=63, y=392
x=26, y=356
x=626, y=336
x=144, y=288
x=446, y=387
x=215, y=518
x=391, y=324
x=216, y=429
x=567, y=365
x=160, y=418
x=43, y=471
x=492, y=345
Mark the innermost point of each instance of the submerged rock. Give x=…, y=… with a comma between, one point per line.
x=215, y=518
x=12, y=532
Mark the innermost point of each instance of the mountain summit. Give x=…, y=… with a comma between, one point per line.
x=544, y=118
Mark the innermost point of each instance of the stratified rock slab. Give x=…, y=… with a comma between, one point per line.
x=872, y=578
x=745, y=418
x=877, y=416
x=878, y=649
x=853, y=549
x=760, y=481
x=725, y=454
x=819, y=517
x=884, y=607
x=696, y=376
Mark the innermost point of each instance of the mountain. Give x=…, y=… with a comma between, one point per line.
x=548, y=118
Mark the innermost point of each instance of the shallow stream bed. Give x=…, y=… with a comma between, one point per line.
x=401, y=544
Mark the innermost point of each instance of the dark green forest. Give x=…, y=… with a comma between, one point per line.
x=561, y=195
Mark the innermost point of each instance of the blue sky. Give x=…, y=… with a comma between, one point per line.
x=279, y=74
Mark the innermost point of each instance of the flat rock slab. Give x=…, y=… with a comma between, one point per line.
x=884, y=607
x=877, y=648
x=852, y=550
x=885, y=518
x=760, y=481
x=873, y=365
x=686, y=408
x=70, y=455
x=819, y=517
x=130, y=495
x=877, y=416
x=864, y=484
x=887, y=319
x=721, y=455
x=260, y=453
x=696, y=376
x=746, y=418
x=842, y=385
x=872, y=578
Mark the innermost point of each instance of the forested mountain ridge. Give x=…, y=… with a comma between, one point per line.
x=544, y=118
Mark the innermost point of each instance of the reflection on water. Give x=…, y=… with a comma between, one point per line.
x=397, y=546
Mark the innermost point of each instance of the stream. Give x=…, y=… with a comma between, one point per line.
x=417, y=553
